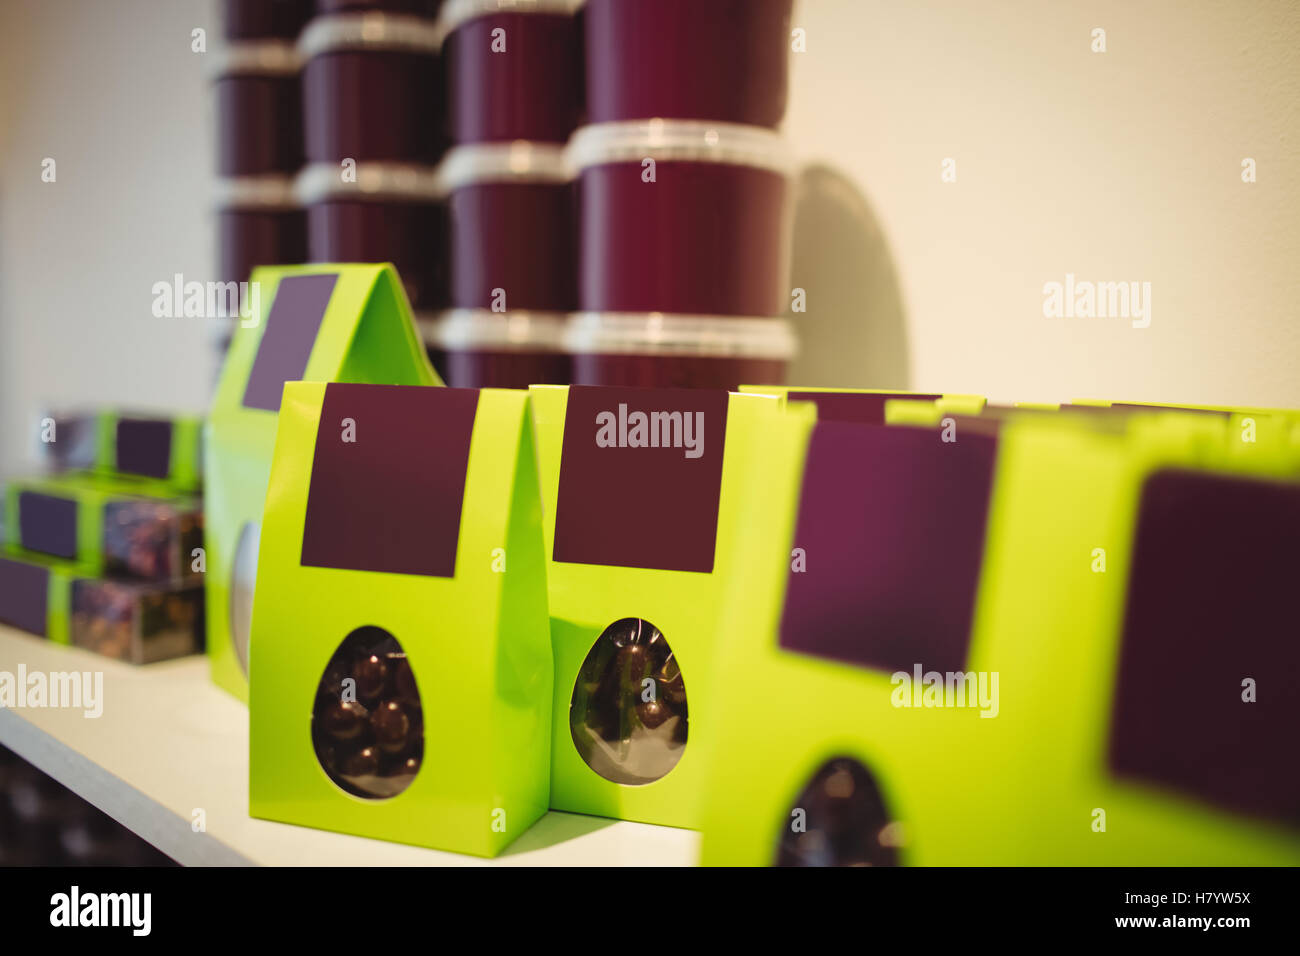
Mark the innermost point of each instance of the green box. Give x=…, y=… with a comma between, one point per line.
x=941, y=786
x=158, y=445
x=359, y=329
x=35, y=590
x=135, y=528
x=136, y=621
x=434, y=492
x=602, y=600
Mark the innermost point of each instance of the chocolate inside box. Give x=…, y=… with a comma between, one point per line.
x=136, y=622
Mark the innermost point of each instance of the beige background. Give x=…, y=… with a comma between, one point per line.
x=1117, y=166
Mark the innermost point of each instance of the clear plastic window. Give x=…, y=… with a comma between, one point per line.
x=839, y=820
x=243, y=577
x=367, y=726
x=628, y=715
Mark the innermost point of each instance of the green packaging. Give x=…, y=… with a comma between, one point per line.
x=318, y=323
x=1130, y=600
x=401, y=667
x=641, y=493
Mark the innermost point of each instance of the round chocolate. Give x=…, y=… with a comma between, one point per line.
x=370, y=746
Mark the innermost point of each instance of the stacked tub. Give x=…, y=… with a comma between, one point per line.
x=259, y=136
x=372, y=120
x=513, y=71
x=684, y=195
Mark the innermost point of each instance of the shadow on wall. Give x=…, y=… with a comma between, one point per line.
x=853, y=333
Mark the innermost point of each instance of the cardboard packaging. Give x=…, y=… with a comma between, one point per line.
x=167, y=448
x=136, y=621
x=401, y=668
x=128, y=527
x=316, y=323
x=1045, y=613
x=35, y=591
x=640, y=543
x=140, y=622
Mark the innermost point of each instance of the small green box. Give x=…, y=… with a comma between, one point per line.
x=157, y=445
x=401, y=667
x=134, y=528
x=1094, y=626
x=35, y=591
x=318, y=323
x=642, y=519
x=136, y=621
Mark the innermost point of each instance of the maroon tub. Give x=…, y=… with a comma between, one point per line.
x=259, y=108
x=511, y=227
x=372, y=88
x=264, y=19
x=678, y=351
x=724, y=60
x=531, y=89
x=473, y=348
x=683, y=217
x=419, y=8
x=259, y=223
x=389, y=213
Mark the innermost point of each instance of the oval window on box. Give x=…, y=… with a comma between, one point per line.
x=628, y=715
x=367, y=725
x=839, y=820
x=243, y=577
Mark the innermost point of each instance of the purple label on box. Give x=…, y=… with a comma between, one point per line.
x=641, y=477
x=47, y=523
x=291, y=328
x=1205, y=698
x=891, y=528
x=388, y=479
x=24, y=601
x=144, y=447
x=866, y=408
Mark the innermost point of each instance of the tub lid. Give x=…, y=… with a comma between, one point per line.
x=255, y=58
x=517, y=162
x=256, y=192
x=377, y=181
x=456, y=12
x=664, y=140
x=657, y=333
x=372, y=30
x=470, y=329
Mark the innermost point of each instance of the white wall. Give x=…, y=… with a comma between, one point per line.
x=1116, y=166
x=1122, y=165
x=110, y=90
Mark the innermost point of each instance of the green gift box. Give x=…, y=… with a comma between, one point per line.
x=160, y=446
x=136, y=621
x=401, y=667
x=127, y=527
x=641, y=492
x=318, y=323
x=1118, y=613
x=34, y=592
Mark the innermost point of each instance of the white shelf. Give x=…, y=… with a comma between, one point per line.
x=169, y=742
